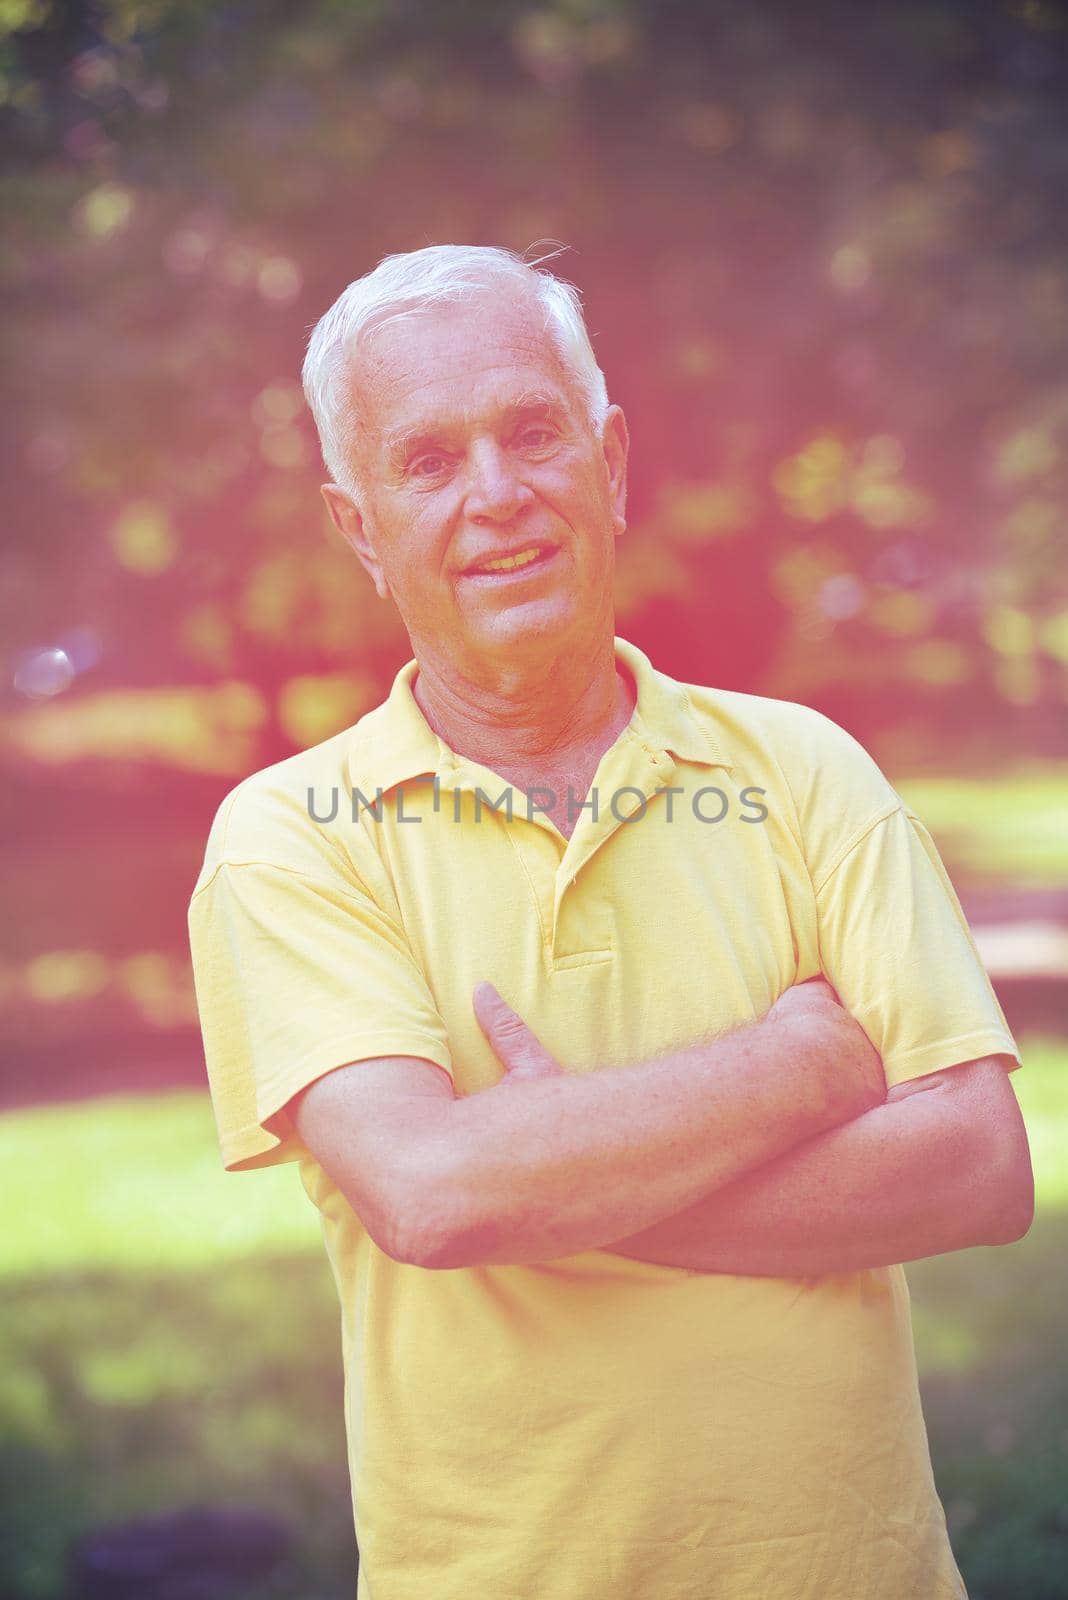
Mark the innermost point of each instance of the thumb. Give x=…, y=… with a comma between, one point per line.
x=513, y=1043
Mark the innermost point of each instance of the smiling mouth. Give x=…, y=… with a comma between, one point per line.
x=530, y=556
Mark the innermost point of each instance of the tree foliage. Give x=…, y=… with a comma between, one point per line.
x=823, y=256
x=823, y=259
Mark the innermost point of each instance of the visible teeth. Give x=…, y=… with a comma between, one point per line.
x=523, y=559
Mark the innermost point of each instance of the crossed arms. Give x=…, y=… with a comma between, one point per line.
x=774, y=1150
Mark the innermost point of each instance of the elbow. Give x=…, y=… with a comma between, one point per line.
x=1013, y=1219
x=439, y=1240
x=1000, y=1188
x=445, y=1211
x=399, y=1217
x=420, y=1241
x=387, y=1227
x=438, y=1254
x=445, y=1236
x=479, y=1240
x=428, y=1226
x=1014, y=1210
x=406, y=1235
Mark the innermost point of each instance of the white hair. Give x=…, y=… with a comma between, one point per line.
x=401, y=285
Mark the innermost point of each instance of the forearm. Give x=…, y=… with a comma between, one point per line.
x=536, y=1170
x=905, y=1180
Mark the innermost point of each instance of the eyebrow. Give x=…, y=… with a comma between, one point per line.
x=533, y=403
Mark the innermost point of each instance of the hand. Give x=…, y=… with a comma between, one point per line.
x=851, y=1067
x=519, y=1050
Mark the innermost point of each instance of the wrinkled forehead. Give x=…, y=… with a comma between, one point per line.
x=454, y=353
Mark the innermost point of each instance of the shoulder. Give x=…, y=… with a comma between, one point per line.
x=755, y=717
x=833, y=785
x=280, y=816
x=806, y=739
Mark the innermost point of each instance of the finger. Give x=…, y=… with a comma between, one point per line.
x=513, y=1043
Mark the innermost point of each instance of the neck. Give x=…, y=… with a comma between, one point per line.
x=573, y=705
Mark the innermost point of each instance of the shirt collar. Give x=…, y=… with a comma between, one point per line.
x=395, y=742
x=664, y=715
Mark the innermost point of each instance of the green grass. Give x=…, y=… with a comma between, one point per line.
x=172, y=1337
x=136, y=1183
x=991, y=1330
x=1006, y=829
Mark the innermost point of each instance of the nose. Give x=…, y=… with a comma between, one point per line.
x=495, y=492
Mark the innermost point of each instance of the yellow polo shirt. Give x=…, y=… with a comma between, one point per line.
x=595, y=1427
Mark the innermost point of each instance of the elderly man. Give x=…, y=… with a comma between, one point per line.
x=628, y=1034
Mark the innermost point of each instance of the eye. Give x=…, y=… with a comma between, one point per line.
x=429, y=465
x=535, y=437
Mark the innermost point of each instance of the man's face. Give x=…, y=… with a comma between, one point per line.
x=474, y=451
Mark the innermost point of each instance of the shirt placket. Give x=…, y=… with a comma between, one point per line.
x=626, y=784
x=538, y=845
x=574, y=930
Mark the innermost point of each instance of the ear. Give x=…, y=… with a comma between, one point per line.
x=348, y=520
x=615, y=441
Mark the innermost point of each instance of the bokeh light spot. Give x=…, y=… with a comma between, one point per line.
x=312, y=708
x=701, y=512
x=279, y=402
x=279, y=280
x=939, y=662
x=798, y=575
x=44, y=672
x=186, y=250
x=841, y=596
x=1033, y=524
x=1017, y=680
x=65, y=975
x=238, y=265
x=208, y=636
x=812, y=484
x=902, y=611
x=143, y=540
x=547, y=45
x=1009, y=631
x=1055, y=635
x=708, y=126
x=159, y=988
x=195, y=729
x=283, y=447
x=850, y=268
x=105, y=210
x=1030, y=453
x=884, y=504
x=83, y=646
x=883, y=454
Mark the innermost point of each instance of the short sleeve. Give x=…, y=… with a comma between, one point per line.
x=296, y=975
x=897, y=949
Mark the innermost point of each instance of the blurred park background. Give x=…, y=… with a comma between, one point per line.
x=824, y=255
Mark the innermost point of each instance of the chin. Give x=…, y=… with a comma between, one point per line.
x=543, y=621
